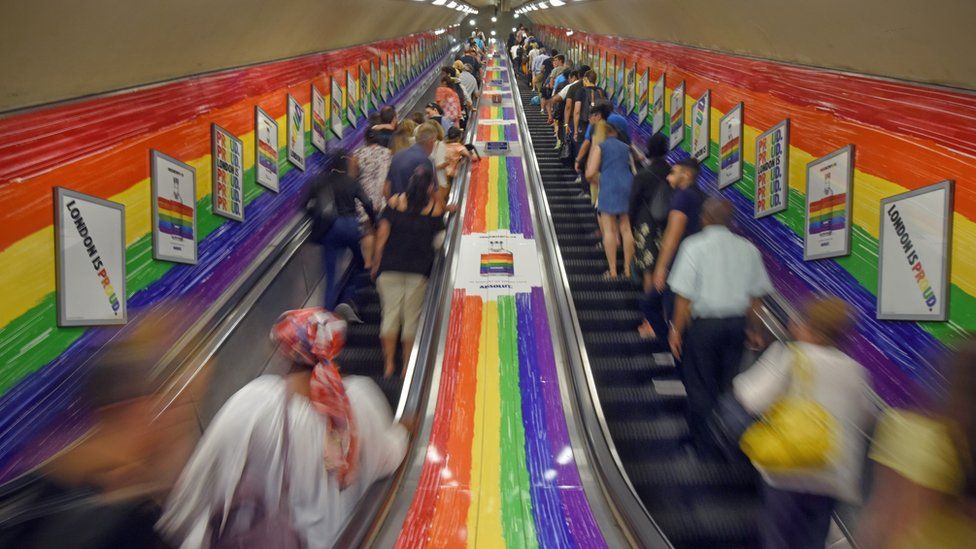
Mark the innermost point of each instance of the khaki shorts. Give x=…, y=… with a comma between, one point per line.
x=401, y=298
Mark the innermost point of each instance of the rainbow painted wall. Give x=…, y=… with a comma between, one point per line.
x=101, y=146
x=906, y=136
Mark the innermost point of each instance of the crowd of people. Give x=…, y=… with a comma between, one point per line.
x=802, y=411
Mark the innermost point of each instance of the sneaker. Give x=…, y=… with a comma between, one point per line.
x=559, y=145
x=347, y=312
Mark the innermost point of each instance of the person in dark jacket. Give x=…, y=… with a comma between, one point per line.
x=342, y=231
x=650, y=201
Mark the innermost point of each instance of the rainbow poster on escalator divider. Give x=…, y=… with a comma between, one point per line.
x=336, y=108
x=352, y=98
x=700, y=127
x=677, y=123
x=265, y=149
x=642, y=98
x=772, y=169
x=730, y=147
x=828, y=208
x=318, y=119
x=296, y=133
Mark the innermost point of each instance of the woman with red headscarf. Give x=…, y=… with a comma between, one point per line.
x=339, y=438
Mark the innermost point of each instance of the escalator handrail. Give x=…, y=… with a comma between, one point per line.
x=621, y=495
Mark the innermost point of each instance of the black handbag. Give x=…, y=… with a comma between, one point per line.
x=566, y=151
x=323, y=210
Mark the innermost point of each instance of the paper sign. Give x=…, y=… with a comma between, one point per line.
x=828, y=207
x=772, y=169
x=174, y=195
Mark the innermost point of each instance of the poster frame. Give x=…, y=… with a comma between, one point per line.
x=706, y=122
x=672, y=142
x=214, y=130
x=740, y=109
x=292, y=103
x=258, y=113
x=942, y=315
x=325, y=119
x=849, y=184
x=154, y=157
x=61, y=193
x=786, y=170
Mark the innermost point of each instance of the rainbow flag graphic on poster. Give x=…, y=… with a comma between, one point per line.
x=642, y=98
x=352, y=101
x=497, y=261
x=772, y=169
x=827, y=214
x=336, y=108
x=175, y=218
x=677, y=127
x=730, y=147
x=829, y=181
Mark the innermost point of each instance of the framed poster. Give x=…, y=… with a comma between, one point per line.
x=89, y=237
x=351, y=99
x=227, y=159
x=265, y=150
x=296, y=133
x=701, y=139
x=657, y=110
x=318, y=119
x=677, y=128
x=364, y=95
x=335, y=109
x=632, y=90
x=642, y=99
x=773, y=169
x=375, y=84
x=830, y=180
x=913, y=254
x=621, y=86
x=611, y=77
x=174, y=208
x=730, y=147
x=383, y=83
x=603, y=71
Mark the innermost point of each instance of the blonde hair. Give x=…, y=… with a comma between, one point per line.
x=402, y=137
x=828, y=317
x=429, y=131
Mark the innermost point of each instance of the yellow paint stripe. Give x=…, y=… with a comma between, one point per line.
x=490, y=498
x=478, y=438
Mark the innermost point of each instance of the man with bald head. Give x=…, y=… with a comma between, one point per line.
x=718, y=278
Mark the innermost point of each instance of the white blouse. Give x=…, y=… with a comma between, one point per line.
x=248, y=426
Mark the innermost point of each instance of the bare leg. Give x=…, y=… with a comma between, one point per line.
x=389, y=355
x=627, y=238
x=407, y=346
x=366, y=243
x=648, y=280
x=609, y=226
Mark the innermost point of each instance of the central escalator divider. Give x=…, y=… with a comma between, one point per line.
x=695, y=503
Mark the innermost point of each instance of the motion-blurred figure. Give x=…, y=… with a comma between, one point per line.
x=925, y=482
x=340, y=438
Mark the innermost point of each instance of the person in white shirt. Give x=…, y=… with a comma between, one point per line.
x=718, y=278
x=799, y=503
x=469, y=84
x=340, y=435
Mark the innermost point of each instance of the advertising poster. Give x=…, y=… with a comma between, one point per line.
x=174, y=194
x=90, y=243
x=296, y=133
x=375, y=84
x=352, y=98
x=657, y=108
x=621, y=85
x=772, y=169
x=700, y=127
x=227, y=157
x=632, y=91
x=730, y=147
x=336, y=109
x=383, y=83
x=611, y=77
x=265, y=150
x=828, y=208
x=318, y=119
x=913, y=254
x=603, y=71
x=364, y=92
x=677, y=127
x=643, y=106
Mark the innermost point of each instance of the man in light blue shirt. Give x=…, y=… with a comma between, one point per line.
x=718, y=278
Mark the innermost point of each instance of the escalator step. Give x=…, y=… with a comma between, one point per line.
x=616, y=371
x=591, y=266
x=618, y=343
x=581, y=252
x=365, y=335
x=596, y=282
x=683, y=470
x=637, y=401
x=606, y=299
x=649, y=437
x=712, y=522
x=603, y=319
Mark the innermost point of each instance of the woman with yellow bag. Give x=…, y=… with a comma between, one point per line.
x=814, y=403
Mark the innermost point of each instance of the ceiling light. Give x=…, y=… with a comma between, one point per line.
x=452, y=4
x=543, y=5
x=557, y=3
x=516, y=15
x=472, y=22
x=569, y=33
x=494, y=19
x=440, y=2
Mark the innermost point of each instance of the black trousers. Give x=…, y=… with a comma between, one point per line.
x=794, y=520
x=712, y=355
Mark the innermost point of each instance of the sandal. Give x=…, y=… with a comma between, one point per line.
x=608, y=276
x=646, y=332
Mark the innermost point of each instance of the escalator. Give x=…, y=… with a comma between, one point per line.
x=695, y=503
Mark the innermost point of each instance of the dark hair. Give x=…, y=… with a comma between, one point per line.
x=561, y=58
x=373, y=119
x=446, y=81
x=387, y=114
x=658, y=145
x=554, y=52
x=418, y=117
x=603, y=108
x=689, y=164
x=371, y=136
x=418, y=189
x=454, y=133
x=573, y=73
x=436, y=107
x=590, y=75
x=339, y=160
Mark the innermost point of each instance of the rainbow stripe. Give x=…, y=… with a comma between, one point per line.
x=498, y=263
x=827, y=214
x=729, y=154
x=497, y=197
x=267, y=156
x=497, y=113
x=175, y=218
x=921, y=136
x=498, y=132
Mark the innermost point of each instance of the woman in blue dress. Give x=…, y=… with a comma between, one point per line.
x=612, y=160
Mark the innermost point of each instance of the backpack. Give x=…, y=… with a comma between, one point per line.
x=322, y=207
x=593, y=94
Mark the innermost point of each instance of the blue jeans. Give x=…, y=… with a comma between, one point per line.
x=343, y=235
x=793, y=520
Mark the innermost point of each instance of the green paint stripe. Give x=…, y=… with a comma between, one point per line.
x=517, y=521
x=34, y=339
x=504, y=208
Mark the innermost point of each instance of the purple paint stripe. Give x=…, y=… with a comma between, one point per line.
x=551, y=529
x=518, y=197
x=511, y=132
x=37, y=413
x=575, y=506
x=508, y=113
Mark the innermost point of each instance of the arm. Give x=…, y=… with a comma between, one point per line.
x=677, y=221
x=577, y=108
x=584, y=148
x=593, y=163
x=387, y=189
x=360, y=195
x=382, y=235
x=568, y=113
x=353, y=167
x=682, y=318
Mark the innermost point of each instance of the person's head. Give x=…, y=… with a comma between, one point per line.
x=426, y=136
x=372, y=136
x=822, y=321
x=589, y=77
x=454, y=135
x=420, y=189
x=458, y=66
x=554, y=52
x=388, y=115
x=468, y=68
x=417, y=117
x=373, y=119
x=600, y=111
x=573, y=75
x=657, y=146
x=716, y=211
x=309, y=336
x=338, y=161
x=583, y=69
x=558, y=60
x=447, y=73
x=683, y=174
x=402, y=137
x=446, y=81
x=433, y=109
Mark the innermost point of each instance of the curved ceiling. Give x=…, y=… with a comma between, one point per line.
x=82, y=48
x=931, y=41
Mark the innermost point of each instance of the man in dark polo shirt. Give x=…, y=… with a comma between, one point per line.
x=406, y=161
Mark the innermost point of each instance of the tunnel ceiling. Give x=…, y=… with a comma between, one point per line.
x=930, y=41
